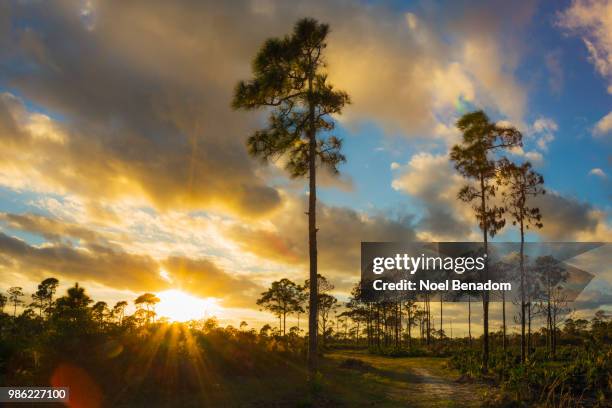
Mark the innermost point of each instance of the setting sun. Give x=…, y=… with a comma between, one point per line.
x=179, y=306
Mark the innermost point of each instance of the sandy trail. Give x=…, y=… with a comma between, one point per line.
x=418, y=381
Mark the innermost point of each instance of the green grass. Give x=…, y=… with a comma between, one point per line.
x=404, y=381
x=385, y=382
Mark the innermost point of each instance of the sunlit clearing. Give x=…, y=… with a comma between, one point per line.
x=179, y=306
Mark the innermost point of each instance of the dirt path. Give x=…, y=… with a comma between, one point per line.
x=414, y=382
x=432, y=384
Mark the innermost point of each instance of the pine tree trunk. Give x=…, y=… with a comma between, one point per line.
x=504, y=340
x=421, y=329
x=529, y=329
x=549, y=323
x=378, y=326
x=386, y=326
x=428, y=327
x=522, y=271
x=470, y=319
x=400, y=322
x=369, y=325
x=441, y=326
x=485, y=294
x=312, y=241
x=554, y=333
x=409, y=326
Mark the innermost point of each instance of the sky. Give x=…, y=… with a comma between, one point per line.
x=124, y=167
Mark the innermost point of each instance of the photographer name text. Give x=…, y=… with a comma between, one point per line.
x=448, y=285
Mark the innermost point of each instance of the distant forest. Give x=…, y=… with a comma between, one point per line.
x=109, y=358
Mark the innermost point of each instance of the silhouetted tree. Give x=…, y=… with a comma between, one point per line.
x=289, y=77
x=43, y=297
x=281, y=299
x=149, y=300
x=38, y=301
x=358, y=311
x=502, y=271
x=411, y=320
x=522, y=184
x=265, y=330
x=326, y=304
x=323, y=284
x=73, y=309
x=441, y=314
x=48, y=287
x=3, y=300
x=323, y=287
x=468, y=278
x=119, y=310
x=15, y=294
x=601, y=326
x=551, y=274
x=474, y=159
x=532, y=293
x=100, y=310
x=300, y=303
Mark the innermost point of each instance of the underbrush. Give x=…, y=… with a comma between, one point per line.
x=159, y=362
x=578, y=378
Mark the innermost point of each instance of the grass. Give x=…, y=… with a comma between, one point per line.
x=385, y=382
x=411, y=381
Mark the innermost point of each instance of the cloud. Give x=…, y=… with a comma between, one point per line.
x=99, y=262
x=143, y=121
x=603, y=126
x=593, y=299
x=545, y=125
x=538, y=136
x=435, y=184
x=135, y=76
x=137, y=108
x=598, y=172
x=341, y=230
x=432, y=181
x=132, y=120
x=567, y=218
x=203, y=278
x=534, y=157
x=179, y=244
x=409, y=56
x=543, y=130
x=50, y=229
x=592, y=21
x=48, y=156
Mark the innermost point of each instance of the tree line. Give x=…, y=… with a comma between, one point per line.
x=401, y=321
x=76, y=305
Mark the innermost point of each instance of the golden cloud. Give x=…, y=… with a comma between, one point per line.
x=137, y=107
x=110, y=265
